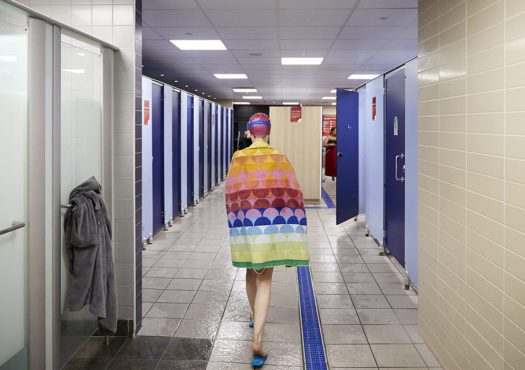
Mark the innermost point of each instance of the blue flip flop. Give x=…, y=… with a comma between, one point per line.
x=250, y=324
x=258, y=360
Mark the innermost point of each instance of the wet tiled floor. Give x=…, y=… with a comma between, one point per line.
x=192, y=292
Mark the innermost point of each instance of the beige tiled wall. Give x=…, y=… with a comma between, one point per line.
x=472, y=181
x=114, y=22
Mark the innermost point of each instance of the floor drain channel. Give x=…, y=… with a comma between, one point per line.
x=312, y=338
x=327, y=199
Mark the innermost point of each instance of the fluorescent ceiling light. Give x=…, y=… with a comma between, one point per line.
x=328, y=98
x=333, y=91
x=301, y=61
x=199, y=44
x=74, y=71
x=241, y=103
x=252, y=97
x=8, y=58
x=290, y=103
x=362, y=77
x=231, y=76
x=333, y=103
x=244, y=90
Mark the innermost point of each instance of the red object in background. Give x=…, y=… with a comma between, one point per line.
x=296, y=114
x=329, y=122
x=146, y=112
x=374, y=108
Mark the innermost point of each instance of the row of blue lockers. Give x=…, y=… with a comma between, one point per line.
x=186, y=151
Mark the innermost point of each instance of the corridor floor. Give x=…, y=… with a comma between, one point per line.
x=196, y=311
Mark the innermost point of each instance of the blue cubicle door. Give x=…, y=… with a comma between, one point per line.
x=201, y=148
x=176, y=154
x=218, y=144
x=395, y=165
x=189, y=152
x=209, y=145
x=147, y=177
x=347, y=186
x=158, y=158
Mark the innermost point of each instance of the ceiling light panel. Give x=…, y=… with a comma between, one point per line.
x=231, y=76
x=241, y=103
x=252, y=97
x=199, y=44
x=290, y=103
x=244, y=90
x=328, y=98
x=306, y=61
x=362, y=76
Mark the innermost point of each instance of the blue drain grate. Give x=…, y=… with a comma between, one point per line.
x=327, y=199
x=312, y=338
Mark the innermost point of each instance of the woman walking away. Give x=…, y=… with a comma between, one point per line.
x=330, y=144
x=267, y=221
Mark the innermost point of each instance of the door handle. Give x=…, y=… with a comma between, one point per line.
x=14, y=226
x=339, y=155
x=402, y=178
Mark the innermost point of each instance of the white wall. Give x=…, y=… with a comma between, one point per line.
x=411, y=174
x=374, y=160
x=147, y=163
x=168, y=153
x=183, y=149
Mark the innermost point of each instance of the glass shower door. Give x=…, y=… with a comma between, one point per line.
x=81, y=158
x=13, y=189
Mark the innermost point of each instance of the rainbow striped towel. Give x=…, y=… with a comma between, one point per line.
x=265, y=210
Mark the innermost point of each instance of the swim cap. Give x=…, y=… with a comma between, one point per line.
x=259, y=125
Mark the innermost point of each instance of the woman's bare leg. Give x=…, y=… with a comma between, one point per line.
x=262, y=304
x=251, y=288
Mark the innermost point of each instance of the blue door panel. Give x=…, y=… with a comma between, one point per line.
x=176, y=153
x=158, y=158
x=347, y=186
x=394, y=165
x=201, y=148
x=190, y=150
x=209, y=151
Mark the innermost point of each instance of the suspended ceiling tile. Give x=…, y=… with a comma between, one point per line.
x=308, y=33
x=188, y=33
x=249, y=44
x=403, y=44
x=305, y=44
x=254, y=53
x=315, y=4
x=365, y=33
x=388, y=4
x=180, y=18
x=242, y=18
x=301, y=17
x=238, y=4
x=248, y=33
x=373, y=17
x=169, y=4
x=150, y=34
x=360, y=44
x=409, y=33
x=257, y=61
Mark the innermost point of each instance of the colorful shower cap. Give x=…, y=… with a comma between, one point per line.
x=259, y=125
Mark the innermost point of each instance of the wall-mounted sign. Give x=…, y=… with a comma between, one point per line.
x=146, y=112
x=374, y=108
x=296, y=114
x=329, y=122
x=396, y=126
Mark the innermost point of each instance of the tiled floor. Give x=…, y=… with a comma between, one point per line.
x=192, y=292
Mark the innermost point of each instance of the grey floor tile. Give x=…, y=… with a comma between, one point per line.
x=413, y=333
x=363, y=288
x=375, y=259
x=143, y=347
x=386, y=334
x=237, y=313
x=176, y=296
x=198, y=311
x=338, y=316
x=168, y=310
x=151, y=295
x=197, y=264
x=358, y=355
x=427, y=355
x=193, y=273
x=181, y=365
x=343, y=334
x=370, y=316
x=283, y=315
x=213, y=298
x=395, y=289
x=159, y=327
x=161, y=272
x=231, y=351
x=407, y=316
x=334, y=301
x=280, y=332
x=284, y=300
x=284, y=354
x=169, y=263
x=188, y=349
x=389, y=277
x=235, y=330
x=358, y=277
x=327, y=267
x=145, y=307
x=397, y=355
x=96, y=347
x=327, y=277
x=402, y=301
x=132, y=364
x=155, y=283
x=370, y=301
x=330, y=288
x=206, y=329
x=96, y=363
x=184, y=284
x=382, y=267
x=353, y=267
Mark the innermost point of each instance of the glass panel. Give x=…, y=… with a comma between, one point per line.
x=81, y=158
x=13, y=188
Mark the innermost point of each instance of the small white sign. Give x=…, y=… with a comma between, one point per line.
x=396, y=126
